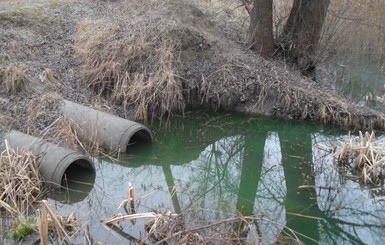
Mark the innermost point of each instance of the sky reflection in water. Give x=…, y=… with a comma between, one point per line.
x=220, y=164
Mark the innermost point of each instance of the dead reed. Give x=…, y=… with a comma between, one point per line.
x=21, y=188
x=301, y=103
x=21, y=184
x=363, y=154
x=135, y=66
x=53, y=227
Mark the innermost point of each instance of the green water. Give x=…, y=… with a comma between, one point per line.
x=212, y=166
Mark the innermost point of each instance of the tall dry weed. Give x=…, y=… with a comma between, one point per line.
x=135, y=66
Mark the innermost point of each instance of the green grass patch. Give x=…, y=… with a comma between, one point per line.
x=23, y=229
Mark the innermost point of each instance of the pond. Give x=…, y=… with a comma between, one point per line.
x=214, y=166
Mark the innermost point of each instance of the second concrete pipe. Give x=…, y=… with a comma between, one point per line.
x=114, y=133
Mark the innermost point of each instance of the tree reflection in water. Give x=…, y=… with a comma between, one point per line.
x=210, y=173
x=235, y=172
x=349, y=210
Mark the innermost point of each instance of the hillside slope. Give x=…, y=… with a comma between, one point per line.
x=141, y=59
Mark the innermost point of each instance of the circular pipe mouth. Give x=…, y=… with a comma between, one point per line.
x=77, y=170
x=141, y=136
x=77, y=182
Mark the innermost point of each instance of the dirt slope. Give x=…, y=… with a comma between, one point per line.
x=137, y=59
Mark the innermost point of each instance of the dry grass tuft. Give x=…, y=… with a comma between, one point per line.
x=5, y=120
x=49, y=76
x=13, y=79
x=137, y=68
x=21, y=184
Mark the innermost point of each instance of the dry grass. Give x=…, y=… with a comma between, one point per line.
x=13, y=79
x=49, y=75
x=21, y=184
x=5, y=120
x=300, y=103
x=66, y=133
x=21, y=187
x=137, y=68
x=44, y=114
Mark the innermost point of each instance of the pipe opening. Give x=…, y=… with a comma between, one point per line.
x=77, y=181
x=77, y=171
x=141, y=136
x=139, y=142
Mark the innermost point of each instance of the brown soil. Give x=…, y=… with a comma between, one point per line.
x=78, y=50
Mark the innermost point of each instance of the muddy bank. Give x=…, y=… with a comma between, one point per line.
x=142, y=60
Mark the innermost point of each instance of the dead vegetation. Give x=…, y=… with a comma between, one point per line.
x=21, y=186
x=67, y=134
x=44, y=111
x=364, y=155
x=21, y=189
x=301, y=103
x=21, y=183
x=189, y=227
x=13, y=79
x=54, y=228
x=137, y=69
x=169, y=228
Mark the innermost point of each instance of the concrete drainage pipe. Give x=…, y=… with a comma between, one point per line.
x=113, y=133
x=53, y=160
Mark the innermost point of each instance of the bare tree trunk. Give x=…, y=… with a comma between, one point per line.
x=261, y=27
x=302, y=32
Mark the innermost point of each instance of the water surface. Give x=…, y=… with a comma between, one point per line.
x=221, y=165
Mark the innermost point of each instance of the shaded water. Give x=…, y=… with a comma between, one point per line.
x=220, y=165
